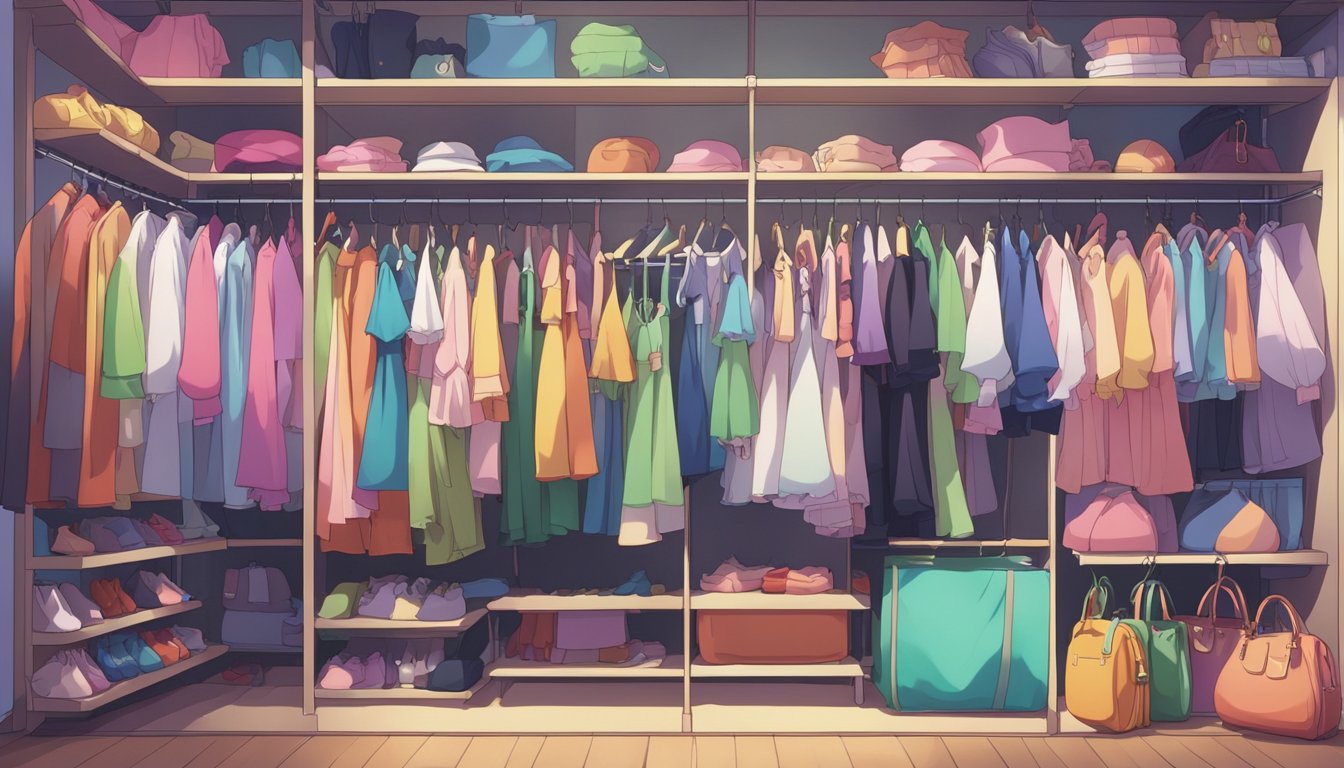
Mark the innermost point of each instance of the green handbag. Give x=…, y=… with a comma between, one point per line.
x=1166, y=643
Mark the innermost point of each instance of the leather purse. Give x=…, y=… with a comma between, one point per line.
x=1213, y=640
x=1285, y=682
x=1105, y=671
x=1167, y=646
x=1232, y=152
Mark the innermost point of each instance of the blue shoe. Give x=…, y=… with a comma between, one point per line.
x=144, y=657
x=122, y=657
x=637, y=584
x=109, y=663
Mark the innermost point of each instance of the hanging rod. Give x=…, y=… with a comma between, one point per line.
x=1080, y=200
x=112, y=181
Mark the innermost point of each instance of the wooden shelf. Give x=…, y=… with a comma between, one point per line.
x=531, y=602
x=402, y=694
x=113, y=625
x=402, y=628
x=1091, y=184
x=847, y=668
x=670, y=666
x=114, y=155
x=968, y=543
x=105, y=559
x=1023, y=92
x=1291, y=557
x=760, y=601
x=127, y=687
x=260, y=543
x=549, y=91
x=63, y=38
x=503, y=185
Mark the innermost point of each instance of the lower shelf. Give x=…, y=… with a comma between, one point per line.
x=1287, y=557
x=127, y=687
x=403, y=694
x=114, y=624
x=670, y=666
x=845, y=668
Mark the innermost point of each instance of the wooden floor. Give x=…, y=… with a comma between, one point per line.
x=574, y=751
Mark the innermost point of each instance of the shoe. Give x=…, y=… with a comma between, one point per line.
x=115, y=660
x=638, y=584
x=167, y=636
x=190, y=637
x=182, y=594
x=164, y=529
x=82, y=607
x=106, y=599
x=127, y=604
x=445, y=603
x=95, y=676
x=146, y=533
x=127, y=535
x=145, y=657
x=50, y=611
x=340, y=604
x=70, y=543
x=61, y=678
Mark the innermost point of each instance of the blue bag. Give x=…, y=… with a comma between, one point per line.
x=1282, y=499
x=510, y=46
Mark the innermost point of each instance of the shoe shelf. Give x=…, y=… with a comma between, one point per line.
x=667, y=667
x=415, y=695
x=835, y=600
x=527, y=602
x=64, y=38
x=365, y=625
x=968, y=543
x=105, y=559
x=1289, y=557
x=113, y=625
x=259, y=543
x=126, y=687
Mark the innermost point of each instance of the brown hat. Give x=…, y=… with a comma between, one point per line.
x=1144, y=156
x=623, y=154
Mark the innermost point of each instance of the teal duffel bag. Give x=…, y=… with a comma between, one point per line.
x=962, y=634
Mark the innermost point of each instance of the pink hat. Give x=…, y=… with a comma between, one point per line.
x=940, y=155
x=258, y=150
x=707, y=156
x=1019, y=135
x=379, y=154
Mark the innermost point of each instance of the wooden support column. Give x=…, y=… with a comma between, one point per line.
x=309, y=233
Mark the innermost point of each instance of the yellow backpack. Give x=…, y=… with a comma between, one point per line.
x=1105, y=673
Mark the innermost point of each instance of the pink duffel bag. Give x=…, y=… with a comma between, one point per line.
x=1213, y=640
x=1114, y=521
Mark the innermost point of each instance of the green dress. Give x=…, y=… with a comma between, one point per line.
x=653, y=502
x=734, y=415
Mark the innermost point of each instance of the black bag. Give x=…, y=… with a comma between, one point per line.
x=1201, y=130
x=391, y=44
x=455, y=675
x=350, y=40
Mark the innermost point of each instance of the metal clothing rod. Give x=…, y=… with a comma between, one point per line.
x=104, y=178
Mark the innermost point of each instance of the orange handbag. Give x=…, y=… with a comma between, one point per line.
x=1285, y=683
x=1105, y=671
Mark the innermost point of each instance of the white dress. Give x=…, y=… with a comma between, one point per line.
x=805, y=466
x=774, y=396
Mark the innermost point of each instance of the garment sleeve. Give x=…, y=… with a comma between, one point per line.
x=552, y=295
x=199, y=373
x=123, y=336
x=1072, y=362
x=986, y=353
x=951, y=309
x=426, y=316
x=164, y=332
x=737, y=323
x=1134, y=337
x=1239, y=335
x=1289, y=351
x=388, y=321
x=487, y=372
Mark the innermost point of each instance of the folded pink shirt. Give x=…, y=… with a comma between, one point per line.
x=1019, y=135
x=113, y=31
x=377, y=154
x=707, y=156
x=1144, y=44
x=940, y=155
x=1131, y=27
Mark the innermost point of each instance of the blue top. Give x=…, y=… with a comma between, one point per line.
x=1024, y=330
x=235, y=345
x=383, y=466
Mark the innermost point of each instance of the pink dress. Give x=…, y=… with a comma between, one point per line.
x=1161, y=463
x=1080, y=451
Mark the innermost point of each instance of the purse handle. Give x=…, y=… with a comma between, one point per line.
x=1099, y=596
x=1142, y=596
x=1218, y=588
x=1297, y=626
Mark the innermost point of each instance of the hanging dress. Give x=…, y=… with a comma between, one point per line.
x=774, y=382
x=489, y=381
x=1080, y=457
x=235, y=320
x=564, y=446
x=1162, y=465
x=385, y=436
x=1134, y=340
x=700, y=292
x=654, y=499
x=734, y=418
x=805, y=466
x=613, y=368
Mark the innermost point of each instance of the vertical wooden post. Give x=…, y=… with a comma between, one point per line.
x=310, y=423
x=686, y=656
x=1051, y=563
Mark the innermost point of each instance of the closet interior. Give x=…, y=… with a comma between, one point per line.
x=276, y=562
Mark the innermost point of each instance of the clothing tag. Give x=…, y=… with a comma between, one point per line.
x=655, y=361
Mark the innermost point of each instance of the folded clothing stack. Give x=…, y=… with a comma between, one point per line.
x=581, y=637
x=77, y=109
x=1134, y=47
x=854, y=154
x=116, y=534
x=623, y=154
x=522, y=154
x=259, y=609
x=1017, y=53
x=777, y=159
x=733, y=576
x=376, y=154
x=70, y=674
x=940, y=155
x=171, y=46
x=927, y=49
x=272, y=58
x=400, y=598
x=258, y=150
x=605, y=50
x=707, y=156
x=447, y=156
x=1028, y=144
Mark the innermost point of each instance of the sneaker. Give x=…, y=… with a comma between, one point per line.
x=82, y=607
x=50, y=611
x=445, y=603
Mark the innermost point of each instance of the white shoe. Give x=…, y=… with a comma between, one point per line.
x=50, y=611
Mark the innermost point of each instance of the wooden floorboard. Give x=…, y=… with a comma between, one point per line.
x=617, y=752
x=927, y=752
x=440, y=752
x=876, y=752
x=670, y=752
x=1135, y=750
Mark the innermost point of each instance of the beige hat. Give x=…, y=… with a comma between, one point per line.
x=1144, y=156
x=777, y=159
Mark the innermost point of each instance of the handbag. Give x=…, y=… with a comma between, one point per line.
x=1213, y=640
x=1105, y=671
x=1227, y=522
x=1113, y=522
x=510, y=46
x=1283, y=499
x=1166, y=643
x=256, y=589
x=1285, y=683
x=1211, y=122
x=1231, y=152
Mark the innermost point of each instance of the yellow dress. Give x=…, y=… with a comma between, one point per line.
x=564, y=448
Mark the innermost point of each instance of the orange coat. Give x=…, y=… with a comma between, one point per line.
x=97, y=463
